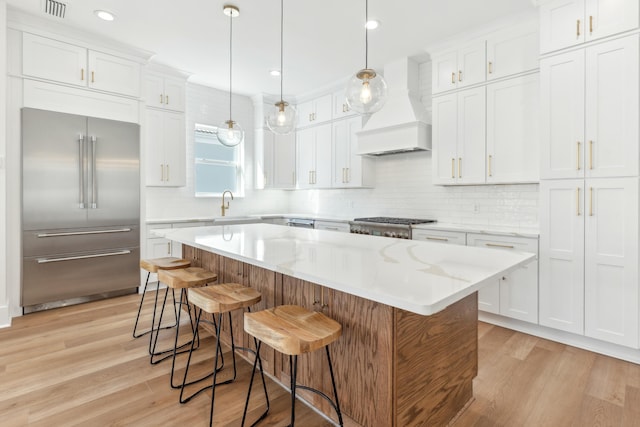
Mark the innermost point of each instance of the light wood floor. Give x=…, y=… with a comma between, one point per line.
x=80, y=366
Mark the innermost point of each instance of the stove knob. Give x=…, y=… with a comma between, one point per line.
x=392, y=234
x=387, y=234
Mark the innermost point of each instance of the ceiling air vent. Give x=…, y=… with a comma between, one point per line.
x=55, y=8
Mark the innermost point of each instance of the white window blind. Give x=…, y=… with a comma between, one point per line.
x=217, y=167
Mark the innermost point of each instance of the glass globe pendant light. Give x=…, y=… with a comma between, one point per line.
x=230, y=133
x=282, y=118
x=366, y=91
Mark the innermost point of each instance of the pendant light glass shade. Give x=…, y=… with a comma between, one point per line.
x=366, y=91
x=230, y=133
x=282, y=117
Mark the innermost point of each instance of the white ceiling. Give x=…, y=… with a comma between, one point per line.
x=324, y=40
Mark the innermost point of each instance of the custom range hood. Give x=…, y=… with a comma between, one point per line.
x=401, y=125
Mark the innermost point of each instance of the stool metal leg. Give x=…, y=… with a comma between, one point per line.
x=144, y=292
x=137, y=334
x=293, y=366
x=335, y=389
x=256, y=362
x=183, y=300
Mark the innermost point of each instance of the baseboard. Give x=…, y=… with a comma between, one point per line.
x=5, y=318
x=579, y=341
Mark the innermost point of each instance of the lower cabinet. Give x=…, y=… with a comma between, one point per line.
x=342, y=227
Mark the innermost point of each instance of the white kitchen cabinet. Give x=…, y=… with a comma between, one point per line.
x=589, y=258
x=314, y=157
x=342, y=227
x=515, y=294
x=513, y=50
x=275, y=160
x=315, y=111
x=165, y=149
x=164, y=92
x=459, y=137
x=566, y=23
x=513, y=130
x=440, y=236
x=75, y=65
x=349, y=169
x=590, y=107
x=459, y=68
x=340, y=106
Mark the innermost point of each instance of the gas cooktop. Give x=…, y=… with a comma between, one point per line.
x=396, y=221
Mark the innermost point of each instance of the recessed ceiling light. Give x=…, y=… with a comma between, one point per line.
x=372, y=24
x=275, y=73
x=104, y=15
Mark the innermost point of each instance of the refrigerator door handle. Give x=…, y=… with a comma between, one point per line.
x=94, y=197
x=82, y=233
x=71, y=258
x=81, y=170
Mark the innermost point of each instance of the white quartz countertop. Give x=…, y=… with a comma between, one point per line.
x=421, y=277
x=248, y=218
x=528, y=232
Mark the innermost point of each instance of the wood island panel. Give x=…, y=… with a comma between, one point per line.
x=392, y=367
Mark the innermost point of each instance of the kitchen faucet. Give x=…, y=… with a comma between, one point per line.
x=223, y=207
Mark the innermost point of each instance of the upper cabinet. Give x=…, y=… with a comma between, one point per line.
x=340, y=106
x=275, y=160
x=349, y=169
x=164, y=92
x=314, y=157
x=165, y=149
x=512, y=51
x=316, y=111
x=589, y=120
x=459, y=68
x=75, y=65
x=565, y=23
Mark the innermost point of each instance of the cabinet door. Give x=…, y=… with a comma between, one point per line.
x=347, y=166
x=157, y=248
x=305, y=149
x=471, y=136
x=264, y=158
x=284, y=161
x=113, y=74
x=174, y=94
x=154, y=91
x=561, y=24
x=562, y=115
x=305, y=113
x=445, y=137
x=606, y=17
x=612, y=108
x=340, y=106
x=471, y=64
x=611, y=260
x=444, y=72
x=322, y=174
x=53, y=60
x=513, y=130
x=323, y=108
x=513, y=51
x=562, y=255
x=154, y=148
x=175, y=150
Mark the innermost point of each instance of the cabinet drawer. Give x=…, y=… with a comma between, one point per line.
x=151, y=227
x=523, y=244
x=332, y=226
x=438, y=236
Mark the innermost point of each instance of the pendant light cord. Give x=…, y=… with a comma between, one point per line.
x=366, y=34
x=230, y=61
x=281, y=44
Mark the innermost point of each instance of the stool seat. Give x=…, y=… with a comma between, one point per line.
x=224, y=297
x=166, y=263
x=291, y=329
x=190, y=277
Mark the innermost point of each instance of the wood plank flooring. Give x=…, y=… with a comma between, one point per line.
x=80, y=366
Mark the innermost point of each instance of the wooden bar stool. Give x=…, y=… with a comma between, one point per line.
x=182, y=279
x=217, y=300
x=152, y=266
x=293, y=330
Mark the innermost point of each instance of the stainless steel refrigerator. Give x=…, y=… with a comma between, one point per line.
x=80, y=208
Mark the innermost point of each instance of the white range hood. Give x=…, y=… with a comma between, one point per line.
x=401, y=125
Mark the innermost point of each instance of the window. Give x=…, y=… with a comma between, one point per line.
x=217, y=168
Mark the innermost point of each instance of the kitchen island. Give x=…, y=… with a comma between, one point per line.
x=408, y=353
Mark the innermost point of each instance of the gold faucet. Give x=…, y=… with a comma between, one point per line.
x=223, y=207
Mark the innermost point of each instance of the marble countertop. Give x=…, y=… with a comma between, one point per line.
x=528, y=232
x=421, y=277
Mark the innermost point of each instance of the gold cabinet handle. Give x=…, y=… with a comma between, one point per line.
x=168, y=173
x=578, y=28
x=590, y=201
x=453, y=78
x=453, y=166
x=459, y=75
x=459, y=167
x=495, y=245
x=490, y=158
x=82, y=74
x=310, y=180
x=93, y=75
x=161, y=99
x=577, y=155
x=578, y=201
x=348, y=175
x=161, y=172
x=590, y=154
x=168, y=247
x=490, y=67
x=440, y=239
x=166, y=99
x=590, y=24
